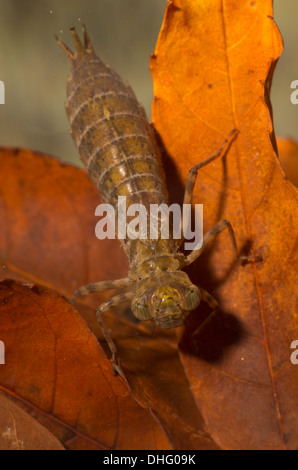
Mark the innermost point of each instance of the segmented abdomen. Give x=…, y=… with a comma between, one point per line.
x=118, y=147
x=111, y=131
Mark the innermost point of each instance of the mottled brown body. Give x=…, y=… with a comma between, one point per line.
x=117, y=145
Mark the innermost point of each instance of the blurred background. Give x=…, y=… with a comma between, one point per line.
x=124, y=33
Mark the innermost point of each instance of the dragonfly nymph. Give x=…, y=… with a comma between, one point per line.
x=117, y=145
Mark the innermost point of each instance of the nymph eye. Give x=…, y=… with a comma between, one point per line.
x=192, y=298
x=140, y=309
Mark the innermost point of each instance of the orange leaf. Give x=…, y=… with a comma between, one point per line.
x=212, y=69
x=55, y=367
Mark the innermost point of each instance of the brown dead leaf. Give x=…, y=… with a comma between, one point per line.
x=55, y=368
x=19, y=431
x=156, y=378
x=212, y=71
x=30, y=186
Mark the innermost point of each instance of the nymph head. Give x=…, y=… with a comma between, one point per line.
x=165, y=299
